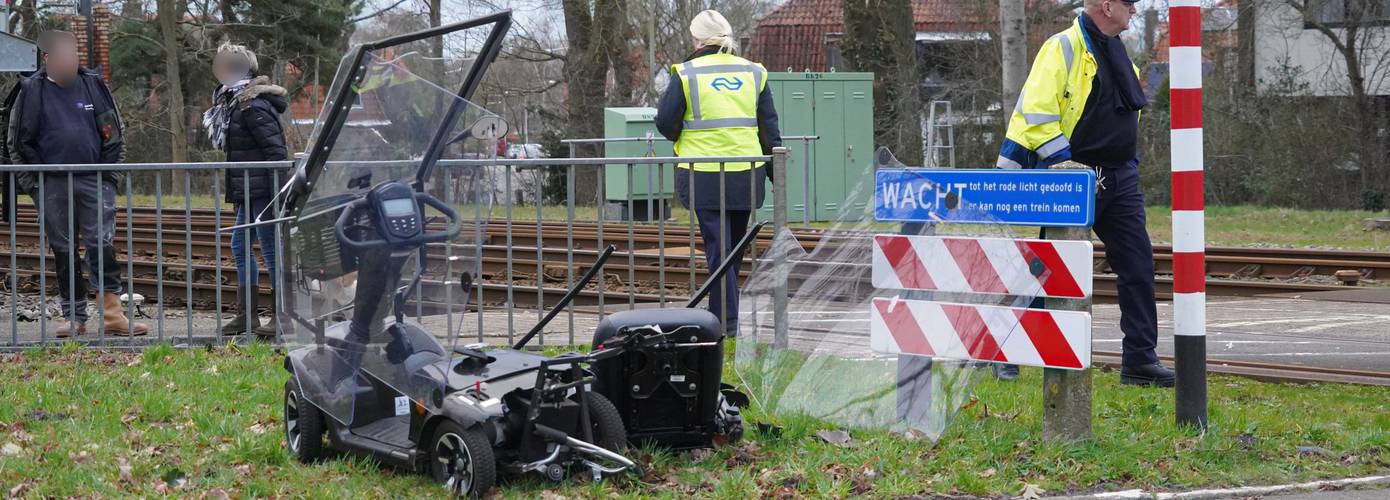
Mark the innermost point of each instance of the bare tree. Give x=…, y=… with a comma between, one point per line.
x=1360, y=40
x=170, y=13
x=1014, y=43
x=880, y=38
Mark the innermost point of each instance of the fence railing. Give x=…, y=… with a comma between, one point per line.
x=545, y=220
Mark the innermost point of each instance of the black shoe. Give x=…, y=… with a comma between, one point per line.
x=1149, y=375
x=1005, y=371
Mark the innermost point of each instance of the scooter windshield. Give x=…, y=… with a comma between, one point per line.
x=371, y=298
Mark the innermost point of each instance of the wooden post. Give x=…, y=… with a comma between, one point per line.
x=1067, y=393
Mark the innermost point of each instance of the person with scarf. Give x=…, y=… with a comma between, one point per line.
x=1081, y=103
x=719, y=104
x=244, y=122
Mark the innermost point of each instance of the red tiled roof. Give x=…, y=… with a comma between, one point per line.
x=793, y=35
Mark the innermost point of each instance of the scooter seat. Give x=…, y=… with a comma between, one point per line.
x=667, y=319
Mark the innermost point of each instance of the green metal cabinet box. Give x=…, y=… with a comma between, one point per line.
x=836, y=107
x=647, y=185
x=839, y=109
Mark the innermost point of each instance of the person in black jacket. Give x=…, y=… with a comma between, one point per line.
x=244, y=122
x=64, y=114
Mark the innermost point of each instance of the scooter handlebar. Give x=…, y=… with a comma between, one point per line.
x=423, y=238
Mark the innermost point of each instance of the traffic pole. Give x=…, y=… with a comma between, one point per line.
x=1189, y=232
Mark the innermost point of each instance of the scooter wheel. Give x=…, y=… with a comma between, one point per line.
x=304, y=426
x=609, y=432
x=461, y=460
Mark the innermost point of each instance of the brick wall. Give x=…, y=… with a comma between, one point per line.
x=101, y=19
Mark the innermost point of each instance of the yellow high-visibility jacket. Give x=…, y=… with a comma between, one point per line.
x=1051, y=101
x=721, y=109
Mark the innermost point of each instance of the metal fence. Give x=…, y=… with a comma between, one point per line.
x=542, y=230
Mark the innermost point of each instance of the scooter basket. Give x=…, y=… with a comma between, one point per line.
x=667, y=392
x=318, y=253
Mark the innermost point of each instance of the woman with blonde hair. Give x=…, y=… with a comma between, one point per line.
x=244, y=122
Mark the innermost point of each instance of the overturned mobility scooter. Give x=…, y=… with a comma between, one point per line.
x=370, y=241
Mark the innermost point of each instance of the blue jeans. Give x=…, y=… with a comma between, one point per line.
x=246, y=269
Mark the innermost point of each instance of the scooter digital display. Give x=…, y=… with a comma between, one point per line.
x=398, y=216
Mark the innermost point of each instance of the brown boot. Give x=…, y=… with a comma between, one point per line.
x=114, y=316
x=66, y=330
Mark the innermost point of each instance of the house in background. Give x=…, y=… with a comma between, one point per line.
x=1293, y=56
x=1220, y=40
x=957, y=51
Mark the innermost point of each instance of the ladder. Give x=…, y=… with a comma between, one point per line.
x=939, y=144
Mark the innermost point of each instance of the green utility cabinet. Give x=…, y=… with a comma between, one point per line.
x=651, y=192
x=839, y=108
x=836, y=107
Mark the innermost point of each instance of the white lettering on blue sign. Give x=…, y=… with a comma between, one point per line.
x=1016, y=197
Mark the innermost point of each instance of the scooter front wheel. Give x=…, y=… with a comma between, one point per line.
x=461, y=460
x=304, y=425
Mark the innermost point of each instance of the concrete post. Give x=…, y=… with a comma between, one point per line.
x=780, y=300
x=1067, y=393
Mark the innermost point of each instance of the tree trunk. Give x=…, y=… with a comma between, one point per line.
x=170, y=11
x=880, y=38
x=228, y=13
x=1013, y=35
x=586, y=71
x=436, y=43
x=616, y=32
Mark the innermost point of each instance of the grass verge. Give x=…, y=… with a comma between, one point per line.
x=189, y=423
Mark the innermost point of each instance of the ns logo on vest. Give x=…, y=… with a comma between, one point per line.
x=725, y=83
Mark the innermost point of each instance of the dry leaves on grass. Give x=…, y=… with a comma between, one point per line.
x=838, y=438
x=124, y=470
x=744, y=454
x=1031, y=492
x=131, y=415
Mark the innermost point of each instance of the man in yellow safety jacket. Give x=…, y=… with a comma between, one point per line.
x=1081, y=103
x=718, y=105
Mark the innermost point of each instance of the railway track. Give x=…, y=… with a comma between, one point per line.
x=639, y=272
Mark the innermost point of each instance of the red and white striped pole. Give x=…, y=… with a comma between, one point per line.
x=1189, y=232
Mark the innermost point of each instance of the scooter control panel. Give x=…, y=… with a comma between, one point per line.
x=397, y=213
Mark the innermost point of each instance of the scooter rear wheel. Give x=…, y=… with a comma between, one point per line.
x=461, y=460
x=304, y=426
x=607, y=423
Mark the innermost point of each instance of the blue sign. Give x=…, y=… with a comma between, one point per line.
x=1013, y=197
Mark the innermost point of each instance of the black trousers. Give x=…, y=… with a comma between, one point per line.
x=1121, y=225
x=723, y=298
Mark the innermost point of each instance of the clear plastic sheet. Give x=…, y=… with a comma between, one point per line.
x=826, y=366
x=350, y=328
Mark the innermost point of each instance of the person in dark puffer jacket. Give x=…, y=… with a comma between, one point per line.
x=244, y=122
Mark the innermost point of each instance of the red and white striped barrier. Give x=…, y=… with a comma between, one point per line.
x=1189, y=238
x=1031, y=337
x=1043, y=268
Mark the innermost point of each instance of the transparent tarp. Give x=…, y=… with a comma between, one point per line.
x=830, y=365
x=392, y=115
